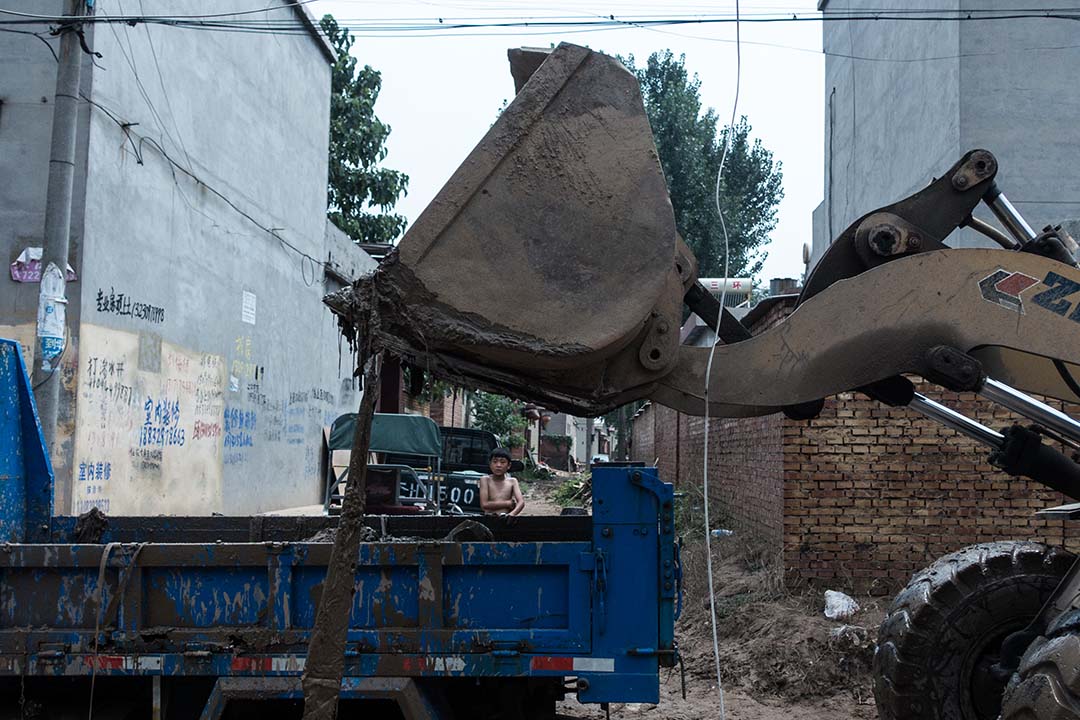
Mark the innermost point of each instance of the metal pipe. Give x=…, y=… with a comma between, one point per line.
x=1030, y=408
x=960, y=423
x=1011, y=218
x=991, y=232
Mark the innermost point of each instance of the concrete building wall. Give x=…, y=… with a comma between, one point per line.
x=579, y=431
x=892, y=114
x=904, y=101
x=237, y=343
x=207, y=365
x=1019, y=98
x=27, y=88
x=572, y=427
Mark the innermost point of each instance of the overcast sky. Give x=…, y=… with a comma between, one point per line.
x=441, y=92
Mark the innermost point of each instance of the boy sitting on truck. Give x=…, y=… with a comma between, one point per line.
x=500, y=494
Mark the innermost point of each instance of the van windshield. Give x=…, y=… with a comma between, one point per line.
x=469, y=449
x=463, y=449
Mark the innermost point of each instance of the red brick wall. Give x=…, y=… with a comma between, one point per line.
x=414, y=405
x=643, y=435
x=745, y=468
x=448, y=410
x=858, y=498
x=555, y=455
x=745, y=474
x=875, y=493
x=444, y=410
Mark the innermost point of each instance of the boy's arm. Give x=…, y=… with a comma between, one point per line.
x=486, y=503
x=485, y=495
x=519, y=499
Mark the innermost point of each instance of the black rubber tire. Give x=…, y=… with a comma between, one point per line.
x=1047, y=686
x=943, y=631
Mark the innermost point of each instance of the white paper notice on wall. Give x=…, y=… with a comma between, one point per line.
x=51, y=318
x=248, y=312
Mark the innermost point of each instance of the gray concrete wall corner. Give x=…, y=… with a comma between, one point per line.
x=344, y=258
x=27, y=88
x=208, y=365
x=1015, y=102
x=28, y=70
x=821, y=239
x=892, y=104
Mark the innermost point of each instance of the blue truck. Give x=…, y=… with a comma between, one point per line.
x=210, y=617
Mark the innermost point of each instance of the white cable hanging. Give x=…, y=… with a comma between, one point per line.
x=708, y=366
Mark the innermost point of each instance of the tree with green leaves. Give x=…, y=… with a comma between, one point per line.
x=690, y=146
x=361, y=194
x=501, y=416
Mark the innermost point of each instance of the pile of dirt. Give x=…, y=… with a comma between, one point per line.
x=780, y=657
x=775, y=644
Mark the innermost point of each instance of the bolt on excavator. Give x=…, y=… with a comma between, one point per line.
x=567, y=190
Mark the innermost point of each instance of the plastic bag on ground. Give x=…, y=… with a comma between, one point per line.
x=839, y=606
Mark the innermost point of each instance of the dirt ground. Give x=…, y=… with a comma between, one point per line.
x=781, y=658
x=538, y=498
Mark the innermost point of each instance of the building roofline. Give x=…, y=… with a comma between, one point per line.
x=821, y=4
x=758, y=311
x=315, y=31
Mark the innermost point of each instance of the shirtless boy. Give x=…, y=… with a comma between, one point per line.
x=500, y=494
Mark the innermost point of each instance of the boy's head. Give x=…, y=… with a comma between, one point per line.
x=499, y=461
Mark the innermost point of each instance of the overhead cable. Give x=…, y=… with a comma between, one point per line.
x=444, y=25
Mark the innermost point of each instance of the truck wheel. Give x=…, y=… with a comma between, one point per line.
x=1047, y=687
x=944, y=630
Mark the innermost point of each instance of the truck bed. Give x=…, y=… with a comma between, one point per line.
x=210, y=611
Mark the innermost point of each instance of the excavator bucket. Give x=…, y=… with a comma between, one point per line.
x=549, y=268
x=550, y=258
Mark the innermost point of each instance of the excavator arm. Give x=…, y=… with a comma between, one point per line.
x=549, y=268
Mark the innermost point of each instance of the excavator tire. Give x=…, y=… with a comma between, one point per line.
x=1047, y=686
x=943, y=631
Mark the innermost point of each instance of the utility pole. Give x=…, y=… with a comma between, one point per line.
x=52, y=300
x=624, y=432
x=588, y=441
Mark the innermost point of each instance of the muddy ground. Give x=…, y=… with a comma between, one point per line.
x=781, y=658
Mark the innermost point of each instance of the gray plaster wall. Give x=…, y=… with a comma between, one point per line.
x=820, y=231
x=904, y=100
x=27, y=88
x=206, y=365
x=1020, y=99
x=891, y=111
x=247, y=115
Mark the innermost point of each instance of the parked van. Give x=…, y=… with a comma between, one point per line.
x=462, y=449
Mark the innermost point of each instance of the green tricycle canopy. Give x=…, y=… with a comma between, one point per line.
x=391, y=433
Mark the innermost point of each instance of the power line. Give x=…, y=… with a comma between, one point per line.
x=450, y=25
x=129, y=58
x=175, y=165
x=774, y=14
x=847, y=56
x=38, y=35
x=71, y=18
